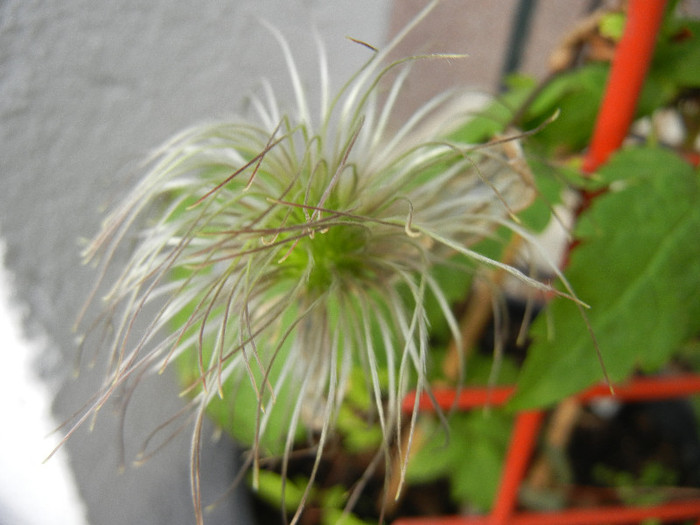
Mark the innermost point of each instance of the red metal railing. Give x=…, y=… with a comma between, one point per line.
x=628, y=69
x=522, y=445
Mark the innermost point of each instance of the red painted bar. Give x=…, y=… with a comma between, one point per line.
x=638, y=389
x=678, y=510
x=648, y=388
x=629, y=67
x=464, y=399
x=522, y=442
x=590, y=516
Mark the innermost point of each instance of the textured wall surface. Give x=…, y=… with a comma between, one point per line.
x=86, y=90
x=483, y=30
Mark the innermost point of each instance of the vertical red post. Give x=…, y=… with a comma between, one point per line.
x=522, y=444
x=629, y=67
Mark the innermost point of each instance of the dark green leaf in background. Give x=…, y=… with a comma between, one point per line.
x=638, y=267
x=497, y=116
x=472, y=457
x=576, y=96
x=677, y=56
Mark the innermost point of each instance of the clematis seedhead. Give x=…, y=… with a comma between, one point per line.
x=272, y=255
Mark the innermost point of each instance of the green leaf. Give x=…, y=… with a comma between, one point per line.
x=472, y=458
x=496, y=117
x=333, y=516
x=638, y=267
x=358, y=434
x=576, y=95
x=333, y=500
x=485, y=443
x=677, y=57
x=480, y=371
x=271, y=486
x=454, y=279
x=551, y=181
x=612, y=25
x=237, y=412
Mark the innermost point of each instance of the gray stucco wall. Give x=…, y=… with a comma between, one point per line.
x=86, y=90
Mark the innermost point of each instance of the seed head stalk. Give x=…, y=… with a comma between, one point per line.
x=277, y=252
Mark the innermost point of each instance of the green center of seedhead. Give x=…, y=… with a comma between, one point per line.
x=333, y=256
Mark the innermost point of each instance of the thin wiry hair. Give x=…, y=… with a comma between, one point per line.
x=278, y=252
